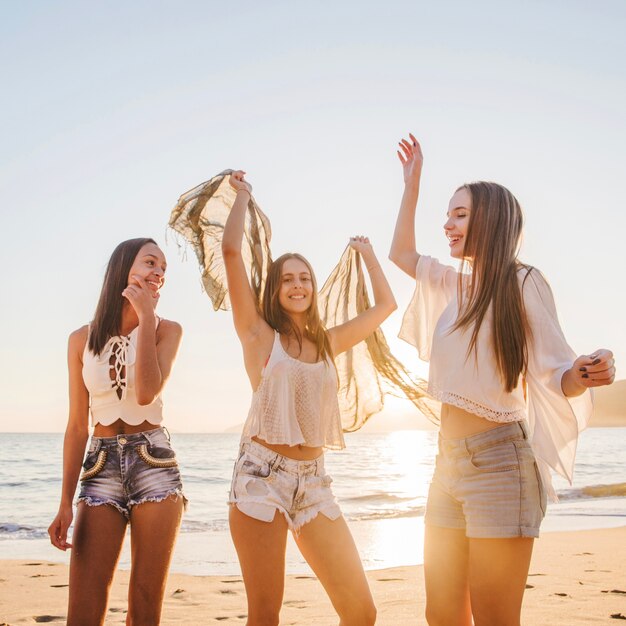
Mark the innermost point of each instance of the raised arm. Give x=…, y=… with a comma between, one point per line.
x=76, y=435
x=344, y=336
x=156, y=345
x=403, y=250
x=253, y=331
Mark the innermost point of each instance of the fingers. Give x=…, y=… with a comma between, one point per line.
x=58, y=535
x=596, y=369
x=407, y=148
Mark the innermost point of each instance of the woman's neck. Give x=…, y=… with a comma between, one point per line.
x=129, y=320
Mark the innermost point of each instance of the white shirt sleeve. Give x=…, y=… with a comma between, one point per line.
x=435, y=287
x=554, y=420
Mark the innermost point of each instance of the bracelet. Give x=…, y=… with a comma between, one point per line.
x=371, y=269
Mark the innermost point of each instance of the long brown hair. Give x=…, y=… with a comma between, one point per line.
x=491, y=245
x=280, y=321
x=107, y=319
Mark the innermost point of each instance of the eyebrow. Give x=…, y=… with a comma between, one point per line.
x=300, y=273
x=457, y=208
x=154, y=256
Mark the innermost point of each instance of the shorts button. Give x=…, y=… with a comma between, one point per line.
x=123, y=440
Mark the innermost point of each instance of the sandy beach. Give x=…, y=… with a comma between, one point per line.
x=575, y=578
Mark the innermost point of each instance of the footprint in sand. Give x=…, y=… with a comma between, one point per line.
x=41, y=575
x=228, y=591
x=304, y=577
x=388, y=580
x=529, y=586
x=617, y=616
x=47, y=618
x=59, y=586
x=563, y=595
x=296, y=604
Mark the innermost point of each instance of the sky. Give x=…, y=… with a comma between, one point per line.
x=113, y=110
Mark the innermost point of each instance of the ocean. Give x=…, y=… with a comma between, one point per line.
x=380, y=480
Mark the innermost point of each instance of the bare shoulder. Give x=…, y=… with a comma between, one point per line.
x=170, y=329
x=78, y=339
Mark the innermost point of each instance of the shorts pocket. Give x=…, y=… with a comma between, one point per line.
x=543, y=496
x=254, y=467
x=93, y=465
x=501, y=457
x=156, y=456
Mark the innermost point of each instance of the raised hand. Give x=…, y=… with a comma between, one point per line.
x=141, y=297
x=361, y=244
x=237, y=182
x=594, y=370
x=410, y=155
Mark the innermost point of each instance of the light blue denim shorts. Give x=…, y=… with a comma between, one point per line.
x=265, y=482
x=488, y=484
x=127, y=470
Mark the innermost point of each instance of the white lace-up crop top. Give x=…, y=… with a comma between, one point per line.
x=295, y=403
x=113, y=398
x=474, y=383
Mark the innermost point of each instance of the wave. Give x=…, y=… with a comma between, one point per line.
x=363, y=516
x=378, y=497
x=9, y=530
x=593, y=491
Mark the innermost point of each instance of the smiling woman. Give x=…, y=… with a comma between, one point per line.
x=118, y=366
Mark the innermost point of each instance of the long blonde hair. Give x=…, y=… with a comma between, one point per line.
x=492, y=245
x=280, y=321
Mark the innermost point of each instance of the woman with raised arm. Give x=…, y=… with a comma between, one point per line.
x=279, y=482
x=118, y=366
x=514, y=398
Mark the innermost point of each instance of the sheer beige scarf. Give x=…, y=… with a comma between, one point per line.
x=366, y=372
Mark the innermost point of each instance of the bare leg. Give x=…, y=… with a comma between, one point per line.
x=261, y=550
x=498, y=571
x=97, y=541
x=329, y=549
x=153, y=530
x=446, y=572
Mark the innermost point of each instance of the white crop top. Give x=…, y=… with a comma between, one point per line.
x=474, y=383
x=295, y=403
x=114, y=398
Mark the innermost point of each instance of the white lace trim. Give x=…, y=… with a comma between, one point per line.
x=470, y=406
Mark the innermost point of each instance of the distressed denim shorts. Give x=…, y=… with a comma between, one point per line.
x=488, y=484
x=265, y=482
x=126, y=470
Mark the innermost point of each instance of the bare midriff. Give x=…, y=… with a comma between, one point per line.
x=299, y=452
x=120, y=427
x=457, y=423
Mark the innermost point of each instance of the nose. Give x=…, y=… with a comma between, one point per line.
x=448, y=224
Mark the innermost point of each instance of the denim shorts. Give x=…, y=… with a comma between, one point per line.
x=126, y=470
x=265, y=482
x=488, y=484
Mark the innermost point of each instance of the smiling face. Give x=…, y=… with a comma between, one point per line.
x=149, y=265
x=296, y=287
x=456, y=227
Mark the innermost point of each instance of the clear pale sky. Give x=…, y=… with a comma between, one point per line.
x=112, y=110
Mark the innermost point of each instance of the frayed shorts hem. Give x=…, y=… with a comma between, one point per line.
x=93, y=502
x=332, y=513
